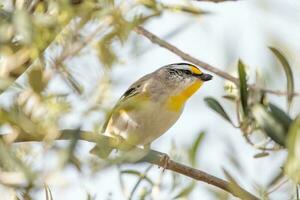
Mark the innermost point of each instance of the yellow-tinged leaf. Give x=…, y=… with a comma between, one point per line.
x=36, y=82
x=292, y=166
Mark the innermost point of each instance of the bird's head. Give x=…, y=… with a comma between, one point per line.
x=186, y=71
x=182, y=75
x=184, y=80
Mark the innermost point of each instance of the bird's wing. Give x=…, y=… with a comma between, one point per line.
x=129, y=98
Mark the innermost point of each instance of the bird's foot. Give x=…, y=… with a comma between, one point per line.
x=165, y=159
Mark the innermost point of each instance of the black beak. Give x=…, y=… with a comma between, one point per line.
x=204, y=77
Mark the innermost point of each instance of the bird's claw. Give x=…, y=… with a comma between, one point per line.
x=165, y=160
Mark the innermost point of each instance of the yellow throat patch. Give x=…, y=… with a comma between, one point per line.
x=175, y=103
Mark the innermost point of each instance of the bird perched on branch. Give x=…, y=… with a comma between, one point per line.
x=151, y=105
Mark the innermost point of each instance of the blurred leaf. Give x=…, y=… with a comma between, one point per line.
x=194, y=149
x=89, y=196
x=141, y=178
x=35, y=77
x=121, y=25
x=106, y=55
x=216, y=106
x=70, y=79
x=275, y=179
x=23, y=25
x=231, y=156
x=281, y=116
x=235, y=188
x=138, y=174
x=219, y=194
x=9, y=160
x=261, y=155
x=243, y=87
x=187, y=9
x=292, y=167
x=186, y=191
x=175, y=181
x=269, y=124
x=48, y=193
x=288, y=73
x=71, y=157
x=229, y=97
x=233, y=185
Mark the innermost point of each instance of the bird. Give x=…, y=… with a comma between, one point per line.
x=150, y=106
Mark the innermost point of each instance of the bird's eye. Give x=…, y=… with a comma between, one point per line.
x=187, y=72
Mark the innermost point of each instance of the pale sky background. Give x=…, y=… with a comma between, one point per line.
x=233, y=30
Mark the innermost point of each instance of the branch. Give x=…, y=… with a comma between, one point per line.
x=156, y=40
x=153, y=157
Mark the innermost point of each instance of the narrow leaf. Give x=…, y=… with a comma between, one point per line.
x=292, y=167
x=261, y=155
x=185, y=191
x=280, y=116
x=36, y=82
x=275, y=180
x=138, y=174
x=48, y=192
x=269, y=124
x=236, y=189
x=243, y=87
x=193, y=151
x=288, y=72
x=216, y=106
x=229, y=97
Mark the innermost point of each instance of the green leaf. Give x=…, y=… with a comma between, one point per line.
x=280, y=116
x=216, y=106
x=185, y=191
x=261, y=155
x=229, y=97
x=35, y=78
x=269, y=124
x=194, y=149
x=288, y=73
x=292, y=167
x=243, y=87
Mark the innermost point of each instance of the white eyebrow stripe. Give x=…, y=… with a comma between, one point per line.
x=182, y=67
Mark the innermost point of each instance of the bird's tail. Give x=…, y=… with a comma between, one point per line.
x=102, y=149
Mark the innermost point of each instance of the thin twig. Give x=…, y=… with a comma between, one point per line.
x=153, y=157
x=156, y=40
